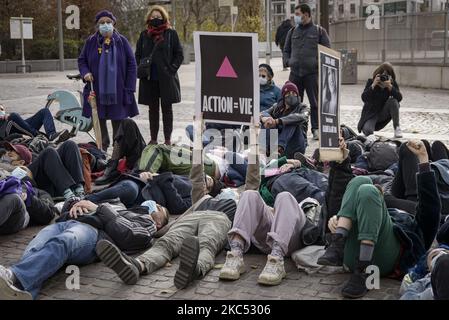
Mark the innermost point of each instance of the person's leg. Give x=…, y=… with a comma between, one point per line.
x=311, y=87
x=401, y=204
x=197, y=255
x=392, y=107
x=153, y=112
x=19, y=125
x=284, y=237
x=104, y=134
x=70, y=155
x=369, y=126
x=51, y=175
x=404, y=183
x=292, y=139
x=167, y=118
x=127, y=190
x=43, y=118
x=129, y=143
x=439, y=151
x=66, y=242
x=13, y=214
x=252, y=222
x=115, y=127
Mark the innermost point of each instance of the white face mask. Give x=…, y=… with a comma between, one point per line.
x=263, y=81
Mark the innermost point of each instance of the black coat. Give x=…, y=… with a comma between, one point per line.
x=281, y=33
x=168, y=57
x=374, y=101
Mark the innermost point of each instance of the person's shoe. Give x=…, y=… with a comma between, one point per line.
x=100, y=165
x=153, y=142
x=7, y=289
x=187, y=270
x=110, y=173
x=233, y=267
x=69, y=203
x=63, y=136
x=315, y=135
x=398, y=133
x=356, y=285
x=168, y=142
x=127, y=268
x=273, y=273
x=334, y=252
x=308, y=163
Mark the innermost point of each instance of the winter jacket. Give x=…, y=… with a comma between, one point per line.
x=294, y=116
x=131, y=230
x=269, y=95
x=282, y=32
x=167, y=58
x=374, y=101
x=301, y=48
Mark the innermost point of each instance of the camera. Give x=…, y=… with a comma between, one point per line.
x=384, y=77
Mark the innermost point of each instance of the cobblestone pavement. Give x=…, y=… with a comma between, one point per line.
x=424, y=114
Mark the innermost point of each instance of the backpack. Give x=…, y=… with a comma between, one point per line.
x=382, y=155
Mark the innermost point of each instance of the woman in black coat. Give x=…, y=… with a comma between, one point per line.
x=162, y=43
x=381, y=97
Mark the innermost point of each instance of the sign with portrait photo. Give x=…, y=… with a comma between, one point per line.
x=329, y=103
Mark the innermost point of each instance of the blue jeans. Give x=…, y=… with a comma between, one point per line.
x=42, y=118
x=127, y=190
x=69, y=242
x=291, y=138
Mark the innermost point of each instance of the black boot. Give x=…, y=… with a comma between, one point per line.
x=356, y=285
x=188, y=268
x=110, y=174
x=334, y=252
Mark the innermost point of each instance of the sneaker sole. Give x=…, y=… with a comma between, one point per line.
x=113, y=259
x=9, y=293
x=271, y=283
x=229, y=277
x=326, y=262
x=190, y=251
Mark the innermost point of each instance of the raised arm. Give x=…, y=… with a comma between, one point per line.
x=197, y=175
x=253, y=171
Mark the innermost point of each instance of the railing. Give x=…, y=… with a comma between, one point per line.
x=421, y=38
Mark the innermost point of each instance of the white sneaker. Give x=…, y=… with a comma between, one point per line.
x=273, y=273
x=398, y=132
x=7, y=289
x=233, y=267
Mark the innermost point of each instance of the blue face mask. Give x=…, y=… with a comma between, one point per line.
x=298, y=19
x=2, y=113
x=151, y=205
x=106, y=28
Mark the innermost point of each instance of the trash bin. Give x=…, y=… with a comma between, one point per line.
x=348, y=66
x=187, y=50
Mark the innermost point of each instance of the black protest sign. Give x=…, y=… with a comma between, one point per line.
x=227, y=88
x=329, y=103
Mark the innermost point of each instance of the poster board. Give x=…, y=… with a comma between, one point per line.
x=329, y=84
x=227, y=77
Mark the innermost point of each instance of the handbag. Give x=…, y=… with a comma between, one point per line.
x=144, y=68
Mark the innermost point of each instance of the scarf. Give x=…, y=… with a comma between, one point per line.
x=157, y=34
x=108, y=72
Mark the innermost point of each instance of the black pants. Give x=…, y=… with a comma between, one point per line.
x=389, y=111
x=167, y=113
x=58, y=170
x=105, y=134
x=12, y=214
x=128, y=143
x=404, y=183
x=439, y=151
x=309, y=83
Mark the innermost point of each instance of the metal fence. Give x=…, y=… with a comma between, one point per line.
x=421, y=38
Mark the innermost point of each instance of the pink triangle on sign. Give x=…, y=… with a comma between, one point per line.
x=226, y=70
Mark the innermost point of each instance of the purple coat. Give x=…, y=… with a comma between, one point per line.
x=89, y=62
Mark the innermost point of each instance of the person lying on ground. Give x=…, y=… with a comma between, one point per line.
x=365, y=232
x=57, y=171
x=290, y=118
x=72, y=240
x=429, y=279
x=13, y=123
x=197, y=236
x=276, y=231
x=23, y=205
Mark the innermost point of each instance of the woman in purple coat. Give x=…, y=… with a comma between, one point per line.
x=108, y=60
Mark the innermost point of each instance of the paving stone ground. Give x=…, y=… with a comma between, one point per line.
x=424, y=114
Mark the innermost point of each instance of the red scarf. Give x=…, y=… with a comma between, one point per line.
x=157, y=34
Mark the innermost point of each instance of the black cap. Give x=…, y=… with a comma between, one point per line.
x=269, y=69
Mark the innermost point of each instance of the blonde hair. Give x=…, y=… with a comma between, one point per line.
x=163, y=12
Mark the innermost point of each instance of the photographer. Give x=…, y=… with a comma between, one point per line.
x=381, y=97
